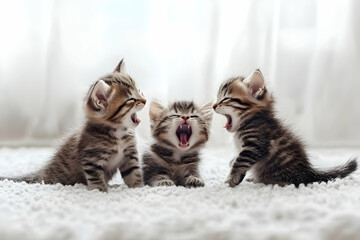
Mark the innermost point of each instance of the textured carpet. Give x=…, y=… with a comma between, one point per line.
x=249, y=211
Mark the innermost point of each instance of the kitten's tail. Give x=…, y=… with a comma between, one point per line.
x=339, y=172
x=32, y=178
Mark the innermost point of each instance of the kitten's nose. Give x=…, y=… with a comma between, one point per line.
x=185, y=118
x=214, y=106
x=142, y=100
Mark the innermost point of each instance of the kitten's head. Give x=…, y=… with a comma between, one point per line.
x=182, y=124
x=114, y=100
x=239, y=97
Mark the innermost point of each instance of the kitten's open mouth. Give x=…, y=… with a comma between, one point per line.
x=134, y=118
x=183, y=133
x=228, y=122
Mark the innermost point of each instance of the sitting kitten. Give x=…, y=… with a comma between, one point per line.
x=180, y=131
x=105, y=143
x=275, y=154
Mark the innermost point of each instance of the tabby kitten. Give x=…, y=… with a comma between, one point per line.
x=180, y=131
x=105, y=143
x=274, y=153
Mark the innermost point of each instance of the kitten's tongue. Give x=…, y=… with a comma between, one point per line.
x=183, y=139
x=228, y=122
x=135, y=119
x=184, y=132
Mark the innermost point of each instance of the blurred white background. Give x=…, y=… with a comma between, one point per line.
x=52, y=50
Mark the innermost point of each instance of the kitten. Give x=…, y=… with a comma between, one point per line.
x=180, y=131
x=105, y=143
x=274, y=153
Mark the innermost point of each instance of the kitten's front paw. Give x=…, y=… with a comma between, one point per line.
x=101, y=188
x=194, y=182
x=234, y=179
x=136, y=184
x=251, y=180
x=164, y=182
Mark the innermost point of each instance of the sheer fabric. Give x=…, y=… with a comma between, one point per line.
x=51, y=51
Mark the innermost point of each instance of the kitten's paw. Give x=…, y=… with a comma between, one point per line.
x=137, y=184
x=234, y=179
x=164, y=182
x=250, y=179
x=101, y=188
x=194, y=182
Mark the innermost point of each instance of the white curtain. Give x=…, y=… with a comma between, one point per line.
x=51, y=51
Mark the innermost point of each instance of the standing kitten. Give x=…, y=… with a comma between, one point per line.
x=179, y=132
x=105, y=143
x=275, y=154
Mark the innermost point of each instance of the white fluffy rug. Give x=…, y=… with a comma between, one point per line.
x=249, y=211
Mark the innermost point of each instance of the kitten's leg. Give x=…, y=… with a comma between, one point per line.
x=237, y=173
x=95, y=176
x=192, y=176
x=246, y=159
x=130, y=168
x=155, y=175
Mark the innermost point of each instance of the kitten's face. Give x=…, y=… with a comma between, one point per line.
x=182, y=125
x=114, y=100
x=238, y=97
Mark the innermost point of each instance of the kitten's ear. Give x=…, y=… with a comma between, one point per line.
x=207, y=111
x=255, y=83
x=100, y=94
x=120, y=67
x=155, y=109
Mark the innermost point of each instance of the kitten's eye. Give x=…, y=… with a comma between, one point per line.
x=175, y=115
x=193, y=116
x=224, y=100
x=131, y=100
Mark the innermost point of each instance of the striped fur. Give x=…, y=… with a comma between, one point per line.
x=105, y=143
x=169, y=161
x=265, y=145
